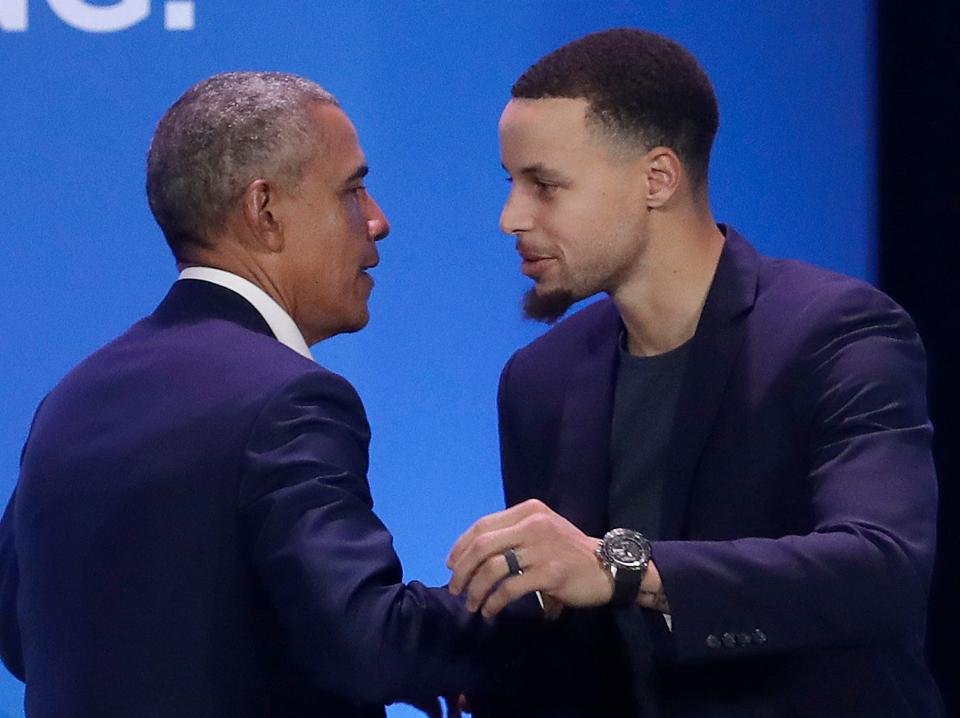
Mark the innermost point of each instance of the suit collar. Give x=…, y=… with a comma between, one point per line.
x=192, y=300
x=583, y=448
x=281, y=324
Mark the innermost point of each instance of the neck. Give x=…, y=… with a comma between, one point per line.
x=661, y=301
x=230, y=256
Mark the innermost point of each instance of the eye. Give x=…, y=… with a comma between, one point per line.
x=545, y=187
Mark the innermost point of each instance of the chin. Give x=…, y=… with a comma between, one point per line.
x=358, y=322
x=547, y=306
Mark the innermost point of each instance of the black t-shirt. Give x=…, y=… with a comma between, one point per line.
x=645, y=403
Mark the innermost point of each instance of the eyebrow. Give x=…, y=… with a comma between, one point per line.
x=358, y=173
x=537, y=169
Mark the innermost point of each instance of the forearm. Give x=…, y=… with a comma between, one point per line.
x=835, y=588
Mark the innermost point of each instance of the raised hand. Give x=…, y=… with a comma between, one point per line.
x=555, y=557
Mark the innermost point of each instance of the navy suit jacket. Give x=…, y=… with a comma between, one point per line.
x=192, y=534
x=798, y=511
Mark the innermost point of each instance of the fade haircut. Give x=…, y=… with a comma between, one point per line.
x=222, y=134
x=643, y=90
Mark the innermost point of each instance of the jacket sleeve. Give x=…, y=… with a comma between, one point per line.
x=861, y=575
x=327, y=562
x=10, y=650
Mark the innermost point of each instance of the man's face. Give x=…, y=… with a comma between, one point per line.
x=330, y=225
x=576, y=210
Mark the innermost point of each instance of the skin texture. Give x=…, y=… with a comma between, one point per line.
x=309, y=246
x=588, y=216
x=571, y=209
x=328, y=238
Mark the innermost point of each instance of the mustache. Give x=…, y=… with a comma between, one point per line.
x=527, y=251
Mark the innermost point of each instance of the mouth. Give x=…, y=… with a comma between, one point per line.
x=533, y=265
x=362, y=272
x=370, y=264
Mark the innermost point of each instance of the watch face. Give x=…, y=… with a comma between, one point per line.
x=626, y=549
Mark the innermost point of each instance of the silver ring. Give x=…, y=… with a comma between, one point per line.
x=513, y=563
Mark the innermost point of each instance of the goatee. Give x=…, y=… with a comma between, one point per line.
x=547, y=307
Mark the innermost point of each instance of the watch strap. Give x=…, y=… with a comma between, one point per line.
x=626, y=587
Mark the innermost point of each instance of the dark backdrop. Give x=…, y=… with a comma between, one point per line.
x=919, y=212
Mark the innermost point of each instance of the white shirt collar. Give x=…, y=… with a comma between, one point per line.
x=280, y=323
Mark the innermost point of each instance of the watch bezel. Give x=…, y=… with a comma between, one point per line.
x=611, y=557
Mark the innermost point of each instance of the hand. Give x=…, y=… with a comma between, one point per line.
x=555, y=556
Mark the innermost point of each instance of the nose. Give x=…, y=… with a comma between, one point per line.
x=377, y=225
x=515, y=216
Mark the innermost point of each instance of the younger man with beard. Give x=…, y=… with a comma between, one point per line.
x=720, y=476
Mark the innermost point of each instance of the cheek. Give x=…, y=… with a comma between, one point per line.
x=354, y=215
x=575, y=227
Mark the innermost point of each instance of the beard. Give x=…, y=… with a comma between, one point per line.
x=547, y=307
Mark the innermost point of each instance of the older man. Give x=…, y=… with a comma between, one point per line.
x=722, y=471
x=192, y=532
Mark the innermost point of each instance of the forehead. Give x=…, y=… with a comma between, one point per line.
x=337, y=139
x=553, y=125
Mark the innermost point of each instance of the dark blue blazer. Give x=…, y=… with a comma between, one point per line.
x=192, y=534
x=798, y=512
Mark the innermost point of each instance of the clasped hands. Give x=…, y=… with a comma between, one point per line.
x=555, y=558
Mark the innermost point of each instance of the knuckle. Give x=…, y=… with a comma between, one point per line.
x=480, y=526
x=539, y=522
x=483, y=544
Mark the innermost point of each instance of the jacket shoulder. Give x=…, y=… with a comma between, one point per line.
x=808, y=296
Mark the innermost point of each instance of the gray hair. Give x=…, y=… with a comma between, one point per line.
x=222, y=134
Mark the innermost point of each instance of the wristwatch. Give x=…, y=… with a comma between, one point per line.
x=625, y=553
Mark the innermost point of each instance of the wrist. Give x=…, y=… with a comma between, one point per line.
x=651, y=594
x=624, y=555
x=606, y=585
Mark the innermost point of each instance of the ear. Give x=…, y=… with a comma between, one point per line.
x=664, y=173
x=259, y=205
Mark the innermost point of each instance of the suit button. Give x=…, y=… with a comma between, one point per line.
x=713, y=641
x=728, y=640
x=759, y=637
x=744, y=639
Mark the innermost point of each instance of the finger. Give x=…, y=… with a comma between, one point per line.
x=486, y=524
x=532, y=517
x=491, y=572
x=509, y=591
x=492, y=522
x=480, y=550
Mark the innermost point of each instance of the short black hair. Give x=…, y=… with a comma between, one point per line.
x=641, y=87
x=222, y=134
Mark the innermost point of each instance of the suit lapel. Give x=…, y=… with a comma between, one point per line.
x=583, y=448
x=713, y=350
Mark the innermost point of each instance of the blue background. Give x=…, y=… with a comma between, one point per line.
x=424, y=81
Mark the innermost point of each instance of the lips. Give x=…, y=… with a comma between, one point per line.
x=533, y=263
